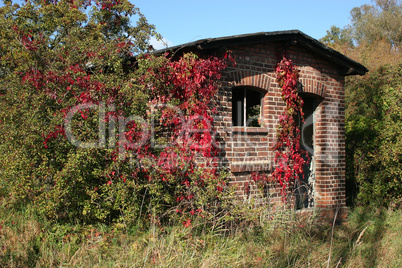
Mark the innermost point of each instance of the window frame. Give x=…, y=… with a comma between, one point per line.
x=243, y=106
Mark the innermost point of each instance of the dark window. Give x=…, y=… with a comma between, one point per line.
x=246, y=107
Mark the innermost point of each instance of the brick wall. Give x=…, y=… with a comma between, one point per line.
x=246, y=150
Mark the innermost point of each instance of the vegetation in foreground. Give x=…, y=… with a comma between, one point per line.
x=368, y=238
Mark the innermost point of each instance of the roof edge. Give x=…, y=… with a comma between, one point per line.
x=350, y=67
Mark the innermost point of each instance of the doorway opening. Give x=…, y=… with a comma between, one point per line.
x=304, y=189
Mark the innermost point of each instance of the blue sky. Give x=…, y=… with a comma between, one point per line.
x=181, y=21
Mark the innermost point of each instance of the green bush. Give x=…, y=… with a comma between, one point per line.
x=94, y=128
x=373, y=135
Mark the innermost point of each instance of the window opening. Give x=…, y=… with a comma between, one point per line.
x=246, y=107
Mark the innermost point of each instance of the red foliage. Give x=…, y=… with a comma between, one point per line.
x=289, y=162
x=187, y=223
x=59, y=130
x=27, y=40
x=189, y=83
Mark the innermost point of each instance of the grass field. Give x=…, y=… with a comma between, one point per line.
x=368, y=238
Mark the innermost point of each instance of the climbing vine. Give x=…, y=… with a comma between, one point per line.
x=289, y=161
x=91, y=133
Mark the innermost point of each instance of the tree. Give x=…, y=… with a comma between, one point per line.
x=82, y=110
x=374, y=35
x=380, y=22
x=373, y=135
x=337, y=36
x=372, y=113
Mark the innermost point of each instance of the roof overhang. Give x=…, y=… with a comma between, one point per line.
x=295, y=37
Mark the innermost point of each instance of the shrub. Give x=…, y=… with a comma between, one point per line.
x=373, y=139
x=92, y=133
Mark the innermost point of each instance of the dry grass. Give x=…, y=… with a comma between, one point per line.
x=369, y=238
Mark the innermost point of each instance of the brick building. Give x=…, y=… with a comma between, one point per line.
x=250, y=104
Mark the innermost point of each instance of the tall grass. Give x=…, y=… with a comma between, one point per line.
x=368, y=238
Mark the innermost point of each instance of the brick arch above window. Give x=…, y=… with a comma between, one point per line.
x=312, y=86
x=251, y=78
